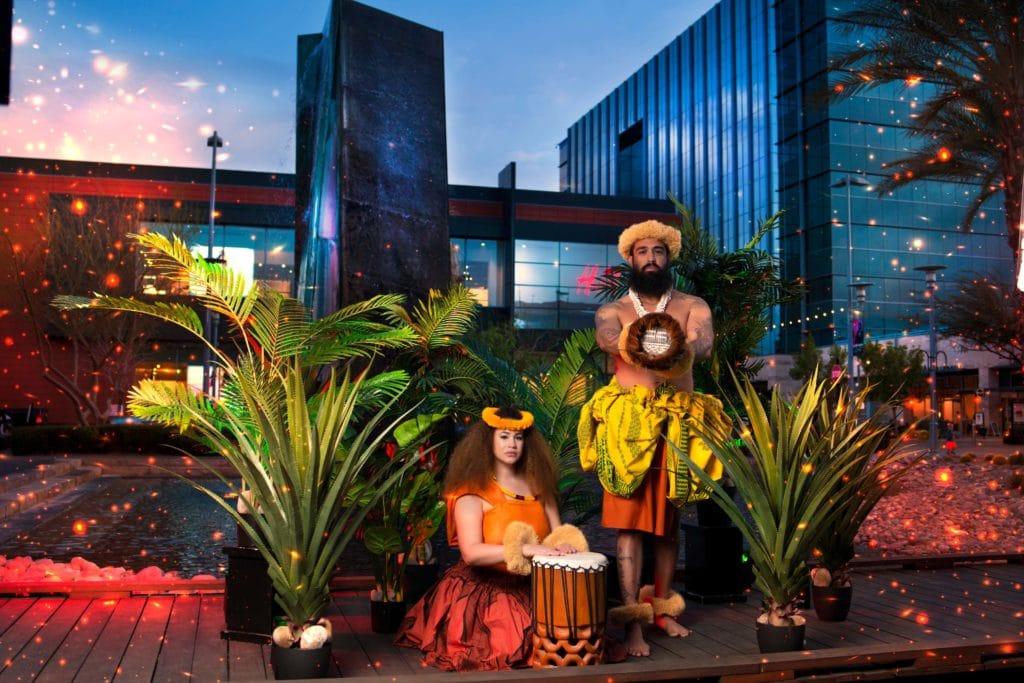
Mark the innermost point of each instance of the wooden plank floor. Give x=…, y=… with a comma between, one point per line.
x=936, y=621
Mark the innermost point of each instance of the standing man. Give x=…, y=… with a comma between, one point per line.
x=653, y=334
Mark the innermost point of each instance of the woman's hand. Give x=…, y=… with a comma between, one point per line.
x=536, y=550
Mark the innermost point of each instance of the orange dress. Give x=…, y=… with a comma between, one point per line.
x=478, y=618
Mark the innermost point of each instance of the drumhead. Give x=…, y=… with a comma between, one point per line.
x=580, y=562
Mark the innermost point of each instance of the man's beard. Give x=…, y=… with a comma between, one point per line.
x=650, y=283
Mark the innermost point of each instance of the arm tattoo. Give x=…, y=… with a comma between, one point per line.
x=608, y=329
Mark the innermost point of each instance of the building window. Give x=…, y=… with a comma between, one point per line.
x=263, y=255
x=556, y=283
x=630, y=162
x=477, y=264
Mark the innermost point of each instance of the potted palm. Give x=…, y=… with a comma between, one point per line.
x=786, y=466
x=298, y=428
x=879, y=462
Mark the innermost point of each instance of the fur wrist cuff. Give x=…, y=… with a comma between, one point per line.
x=672, y=606
x=518, y=534
x=567, y=533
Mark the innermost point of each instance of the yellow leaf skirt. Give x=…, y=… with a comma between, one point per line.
x=619, y=431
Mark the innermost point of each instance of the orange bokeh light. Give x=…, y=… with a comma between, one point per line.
x=112, y=280
x=78, y=207
x=944, y=154
x=79, y=528
x=944, y=476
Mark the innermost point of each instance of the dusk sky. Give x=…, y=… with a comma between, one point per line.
x=144, y=82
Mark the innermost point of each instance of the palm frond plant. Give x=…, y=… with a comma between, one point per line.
x=298, y=429
x=444, y=373
x=963, y=57
x=787, y=466
x=448, y=382
x=555, y=394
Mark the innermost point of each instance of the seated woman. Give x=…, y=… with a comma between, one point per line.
x=502, y=494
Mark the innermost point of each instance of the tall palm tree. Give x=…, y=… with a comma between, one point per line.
x=986, y=311
x=971, y=55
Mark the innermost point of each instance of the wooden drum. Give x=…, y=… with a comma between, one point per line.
x=569, y=609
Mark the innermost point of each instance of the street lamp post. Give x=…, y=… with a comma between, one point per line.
x=847, y=181
x=929, y=291
x=209, y=322
x=861, y=289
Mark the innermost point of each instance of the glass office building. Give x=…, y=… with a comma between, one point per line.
x=819, y=147
x=724, y=119
x=697, y=120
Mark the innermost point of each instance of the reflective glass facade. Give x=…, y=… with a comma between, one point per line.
x=554, y=283
x=697, y=120
x=534, y=257
x=919, y=225
x=700, y=120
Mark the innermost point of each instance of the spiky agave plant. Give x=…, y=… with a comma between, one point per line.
x=875, y=470
x=298, y=431
x=791, y=466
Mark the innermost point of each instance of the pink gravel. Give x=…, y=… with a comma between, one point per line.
x=946, y=506
x=26, y=570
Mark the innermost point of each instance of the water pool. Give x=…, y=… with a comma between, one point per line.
x=132, y=523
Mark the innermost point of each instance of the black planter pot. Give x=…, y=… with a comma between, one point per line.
x=243, y=538
x=248, y=596
x=710, y=513
x=419, y=578
x=781, y=638
x=385, y=617
x=292, y=663
x=832, y=604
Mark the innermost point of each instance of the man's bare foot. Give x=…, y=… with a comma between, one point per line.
x=671, y=627
x=635, y=644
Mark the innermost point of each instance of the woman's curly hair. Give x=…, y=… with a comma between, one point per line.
x=472, y=462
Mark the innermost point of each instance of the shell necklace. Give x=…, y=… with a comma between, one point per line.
x=639, y=307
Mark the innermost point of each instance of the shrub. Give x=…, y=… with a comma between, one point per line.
x=967, y=457
x=147, y=439
x=1016, y=481
x=989, y=457
x=1000, y=460
x=1016, y=459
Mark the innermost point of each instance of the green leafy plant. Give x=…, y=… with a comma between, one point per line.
x=398, y=526
x=787, y=466
x=299, y=430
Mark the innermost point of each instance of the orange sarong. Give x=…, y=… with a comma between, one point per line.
x=647, y=508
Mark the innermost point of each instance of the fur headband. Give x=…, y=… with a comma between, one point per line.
x=650, y=230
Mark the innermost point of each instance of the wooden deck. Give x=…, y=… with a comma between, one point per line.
x=903, y=622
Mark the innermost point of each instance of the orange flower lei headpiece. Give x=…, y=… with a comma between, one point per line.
x=491, y=417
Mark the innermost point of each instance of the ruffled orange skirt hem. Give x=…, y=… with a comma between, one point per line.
x=474, y=619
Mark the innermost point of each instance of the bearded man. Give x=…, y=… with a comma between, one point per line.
x=653, y=334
